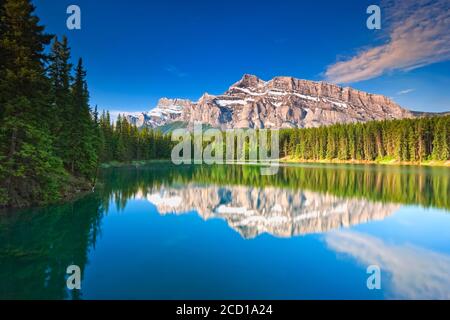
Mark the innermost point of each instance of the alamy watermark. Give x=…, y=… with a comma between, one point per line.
x=374, y=20
x=74, y=279
x=233, y=146
x=73, y=22
x=374, y=280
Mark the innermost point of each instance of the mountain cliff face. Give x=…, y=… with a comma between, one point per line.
x=282, y=102
x=252, y=211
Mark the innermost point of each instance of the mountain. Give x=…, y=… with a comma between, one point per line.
x=252, y=211
x=283, y=102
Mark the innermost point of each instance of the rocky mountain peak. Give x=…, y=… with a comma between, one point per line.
x=248, y=81
x=206, y=96
x=282, y=102
x=167, y=102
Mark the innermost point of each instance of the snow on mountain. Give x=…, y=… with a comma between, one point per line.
x=278, y=103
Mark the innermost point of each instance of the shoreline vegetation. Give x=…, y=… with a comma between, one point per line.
x=288, y=161
x=388, y=162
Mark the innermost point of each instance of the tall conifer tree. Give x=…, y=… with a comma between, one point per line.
x=29, y=171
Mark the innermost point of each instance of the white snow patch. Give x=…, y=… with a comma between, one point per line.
x=307, y=97
x=256, y=220
x=249, y=91
x=339, y=104
x=224, y=103
x=277, y=208
x=156, y=113
x=277, y=104
x=277, y=93
x=161, y=200
x=222, y=209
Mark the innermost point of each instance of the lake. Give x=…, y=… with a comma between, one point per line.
x=162, y=231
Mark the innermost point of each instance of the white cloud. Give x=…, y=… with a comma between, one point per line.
x=418, y=35
x=415, y=273
x=406, y=91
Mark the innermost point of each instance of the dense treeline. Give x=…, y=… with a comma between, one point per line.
x=124, y=142
x=407, y=140
x=51, y=142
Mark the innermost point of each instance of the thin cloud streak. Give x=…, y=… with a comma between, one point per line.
x=406, y=91
x=418, y=35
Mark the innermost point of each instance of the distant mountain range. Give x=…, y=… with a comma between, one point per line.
x=283, y=102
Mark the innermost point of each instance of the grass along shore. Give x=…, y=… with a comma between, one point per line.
x=384, y=161
x=290, y=160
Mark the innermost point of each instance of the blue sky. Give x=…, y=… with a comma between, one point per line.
x=138, y=51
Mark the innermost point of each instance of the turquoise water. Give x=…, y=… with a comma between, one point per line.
x=205, y=232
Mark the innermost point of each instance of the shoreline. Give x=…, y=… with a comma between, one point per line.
x=428, y=163
x=135, y=163
x=74, y=189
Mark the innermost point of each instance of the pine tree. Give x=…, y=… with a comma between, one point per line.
x=441, y=147
x=83, y=151
x=29, y=170
x=60, y=77
x=106, y=136
x=120, y=152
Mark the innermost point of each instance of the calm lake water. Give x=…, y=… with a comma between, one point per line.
x=227, y=232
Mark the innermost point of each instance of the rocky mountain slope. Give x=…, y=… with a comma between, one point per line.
x=252, y=211
x=282, y=102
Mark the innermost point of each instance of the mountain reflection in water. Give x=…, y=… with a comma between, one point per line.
x=279, y=212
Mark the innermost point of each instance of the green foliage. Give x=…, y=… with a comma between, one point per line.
x=407, y=140
x=123, y=142
x=30, y=170
x=82, y=154
x=59, y=73
x=47, y=130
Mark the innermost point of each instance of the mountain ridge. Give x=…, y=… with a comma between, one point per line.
x=282, y=102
